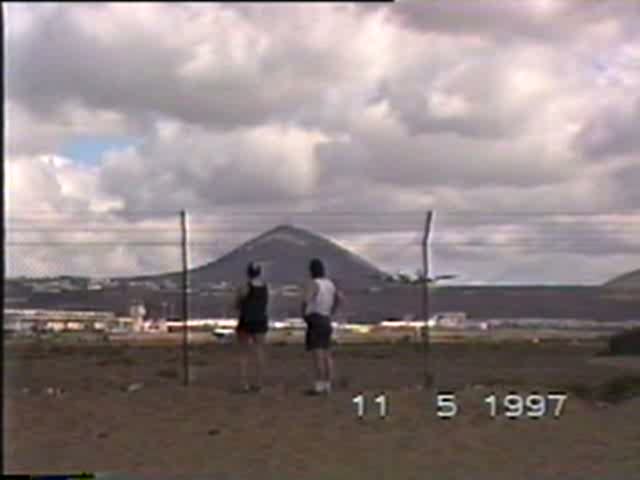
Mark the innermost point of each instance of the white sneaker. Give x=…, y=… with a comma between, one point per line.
x=319, y=388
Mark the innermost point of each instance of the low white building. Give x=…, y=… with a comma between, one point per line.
x=154, y=326
x=352, y=327
x=21, y=320
x=450, y=319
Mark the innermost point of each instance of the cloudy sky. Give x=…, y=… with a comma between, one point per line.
x=515, y=121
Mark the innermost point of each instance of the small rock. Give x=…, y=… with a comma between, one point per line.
x=213, y=432
x=344, y=382
x=50, y=391
x=134, y=387
x=102, y=435
x=26, y=390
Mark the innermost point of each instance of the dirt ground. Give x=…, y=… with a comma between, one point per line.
x=208, y=430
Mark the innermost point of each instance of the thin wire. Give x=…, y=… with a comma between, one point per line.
x=235, y=219
x=221, y=228
x=503, y=213
x=176, y=243
x=232, y=235
x=245, y=227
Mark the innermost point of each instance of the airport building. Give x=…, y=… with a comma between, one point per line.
x=42, y=320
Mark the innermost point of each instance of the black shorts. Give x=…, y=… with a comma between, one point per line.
x=319, y=332
x=252, y=327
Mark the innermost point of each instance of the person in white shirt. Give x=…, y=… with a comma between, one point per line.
x=321, y=301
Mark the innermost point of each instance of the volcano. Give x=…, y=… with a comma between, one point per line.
x=284, y=253
x=628, y=281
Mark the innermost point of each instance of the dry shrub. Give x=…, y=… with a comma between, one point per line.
x=124, y=360
x=167, y=373
x=56, y=349
x=616, y=390
x=619, y=389
x=580, y=390
x=501, y=382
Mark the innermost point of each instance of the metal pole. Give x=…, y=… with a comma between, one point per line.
x=185, y=298
x=425, y=294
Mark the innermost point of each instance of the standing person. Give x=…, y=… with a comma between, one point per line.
x=321, y=301
x=251, y=302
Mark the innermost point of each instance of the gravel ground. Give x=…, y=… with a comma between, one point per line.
x=73, y=408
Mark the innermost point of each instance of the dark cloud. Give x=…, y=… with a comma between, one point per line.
x=511, y=20
x=627, y=182
x=209, y=80
x=197, y=168
x=429, y=160
x=349, y=112
x=613, y=132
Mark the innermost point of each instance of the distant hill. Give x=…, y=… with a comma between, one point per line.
x=630, y=280
x=284, y=252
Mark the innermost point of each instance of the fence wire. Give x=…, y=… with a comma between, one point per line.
x=132, y=265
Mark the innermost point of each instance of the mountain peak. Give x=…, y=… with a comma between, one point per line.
x=284, y=227
x=292, y=232
x=285, y=250
x=626, y=280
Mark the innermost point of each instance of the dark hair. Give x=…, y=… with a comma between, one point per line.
x=253, y=270
x=316, y=268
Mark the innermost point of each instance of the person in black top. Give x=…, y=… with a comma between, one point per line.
x=253, y=323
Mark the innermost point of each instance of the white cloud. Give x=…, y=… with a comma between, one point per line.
x=497, y=106
x=196, y=167
x=33, y=133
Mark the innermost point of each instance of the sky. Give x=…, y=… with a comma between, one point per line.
x=515, y=121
